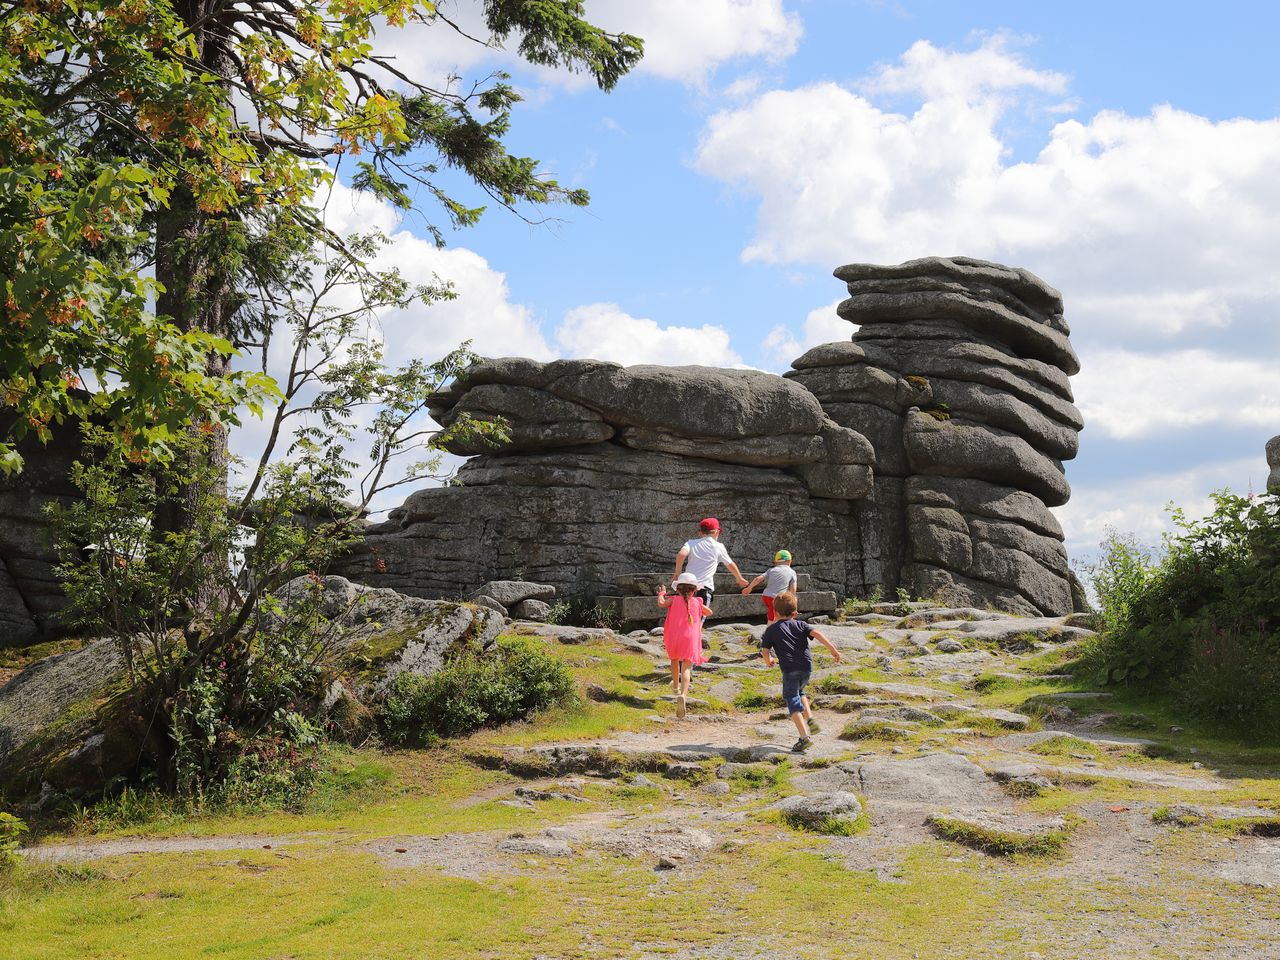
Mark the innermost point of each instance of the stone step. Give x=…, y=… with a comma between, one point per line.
x=642, y=584
x=728, y=606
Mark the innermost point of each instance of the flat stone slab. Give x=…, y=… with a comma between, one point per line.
x=1003, y=632
x=646, y=584
x=846, y=638
x=934, y=780
x=966, y=661
x=930, y=618
x=727, y=606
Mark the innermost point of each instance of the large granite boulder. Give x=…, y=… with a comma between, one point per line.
x=923, y=453
x=958, y=375
x=580, y=517
x=68, y=722
x=730, y=416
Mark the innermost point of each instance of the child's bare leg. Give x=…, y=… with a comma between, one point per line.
x=675, y=676
x=808, y=711
x=799, y=720
x=686, y=674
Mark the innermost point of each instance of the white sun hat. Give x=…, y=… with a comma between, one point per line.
x=685, y=577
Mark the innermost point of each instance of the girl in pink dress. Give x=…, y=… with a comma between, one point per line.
x=682, y=633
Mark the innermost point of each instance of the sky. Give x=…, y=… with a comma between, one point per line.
x=1128, y=154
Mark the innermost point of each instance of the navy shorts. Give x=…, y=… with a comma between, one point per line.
x=793, y=682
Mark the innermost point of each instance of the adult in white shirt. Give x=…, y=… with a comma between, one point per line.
x=704, y=555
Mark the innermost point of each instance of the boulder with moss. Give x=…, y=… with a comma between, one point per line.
x=69, y=725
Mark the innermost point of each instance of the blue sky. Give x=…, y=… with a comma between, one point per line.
x=1127, y=153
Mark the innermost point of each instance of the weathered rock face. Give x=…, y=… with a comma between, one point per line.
x=578, y=517
x=958, y=375
x=30, y=597
x=1273, y=461
x=66, y=721
x=923, y=453
x=610, y=467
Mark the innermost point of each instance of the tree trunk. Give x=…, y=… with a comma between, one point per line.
x=197, y=270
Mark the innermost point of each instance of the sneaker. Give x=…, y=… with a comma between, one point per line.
x=801, y=745
x=813, y=725
x=680, y=711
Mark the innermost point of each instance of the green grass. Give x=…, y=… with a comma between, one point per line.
x=873, y=730
x=828, y=826
x=323, y=896
x=1065, y=745
x=1000, y=843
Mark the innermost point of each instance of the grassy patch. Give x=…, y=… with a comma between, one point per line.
x=1065, y=745
x=756, y=700
x=873, y=730
x=1268, y=827
x=771, y=777
x=827, y=826
x=1000, y=843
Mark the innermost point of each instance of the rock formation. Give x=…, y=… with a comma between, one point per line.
x=958, y=375
x=923, y=453
x=608, y=471
x=65, y=721
x=30, y=597
x=1273, y=461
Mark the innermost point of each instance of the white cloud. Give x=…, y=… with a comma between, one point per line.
x=1127, y=394
x=684, y=41
x=1169, y=208
x=606, y=332
x=938, y=74
x=1138, y=505
x=687, y=41
x=482, y=311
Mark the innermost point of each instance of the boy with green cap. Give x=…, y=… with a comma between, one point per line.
x=777, y=579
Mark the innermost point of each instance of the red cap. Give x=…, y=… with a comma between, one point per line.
x=711, y=523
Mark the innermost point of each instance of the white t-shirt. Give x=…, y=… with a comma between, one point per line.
x=705, y=554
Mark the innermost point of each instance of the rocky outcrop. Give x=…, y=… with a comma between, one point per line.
x=1273, y=461
x=923, y=453
x=578, y=507
x=67, y=720
x=30, y=597
x=958, y=374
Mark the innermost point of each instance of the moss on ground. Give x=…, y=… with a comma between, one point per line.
x=1002, y=843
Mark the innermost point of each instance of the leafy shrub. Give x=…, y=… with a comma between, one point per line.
x=474, y=690
x=1202, y=620
x=11, y=831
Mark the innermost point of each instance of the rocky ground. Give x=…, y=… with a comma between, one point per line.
x=960, y=799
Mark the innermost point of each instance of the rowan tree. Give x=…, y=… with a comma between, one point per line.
x=158, y=164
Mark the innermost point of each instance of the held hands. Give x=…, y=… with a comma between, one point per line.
x=746, y=590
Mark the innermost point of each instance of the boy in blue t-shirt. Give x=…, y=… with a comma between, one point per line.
x=789, y=639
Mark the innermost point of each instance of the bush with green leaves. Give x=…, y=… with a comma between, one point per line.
x=1203, y=618
x=11, y=831
x=475, y=689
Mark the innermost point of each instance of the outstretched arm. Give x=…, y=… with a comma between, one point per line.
x=680, y=559
x=737, y=575
x=753, y=584
x=829, y=645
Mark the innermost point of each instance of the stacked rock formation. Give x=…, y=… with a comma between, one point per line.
x=608, y=470
x=958, y=375
x=1273, y=461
